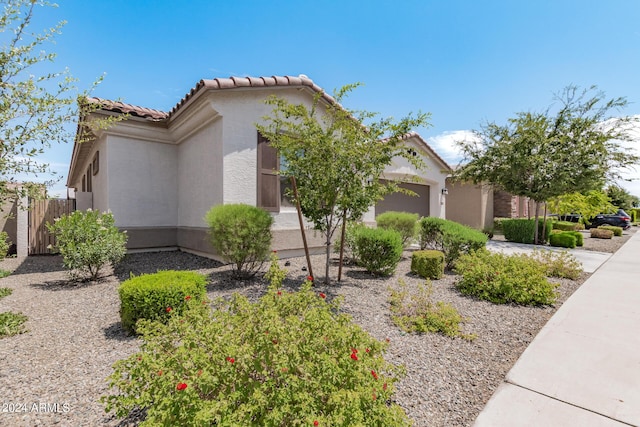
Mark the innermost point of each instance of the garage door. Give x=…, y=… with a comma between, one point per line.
x=404, y=203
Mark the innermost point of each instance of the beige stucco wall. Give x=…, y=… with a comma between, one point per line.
x=432, y=175
x=240, y=112
x=470, y=204
x=142, y=182
x=99, y=183
x=200, y=177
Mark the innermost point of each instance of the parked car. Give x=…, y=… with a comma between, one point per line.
x=619, y=219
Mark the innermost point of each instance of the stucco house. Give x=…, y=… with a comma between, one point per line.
x=160, y=172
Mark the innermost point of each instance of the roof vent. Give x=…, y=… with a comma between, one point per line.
x=303, y=76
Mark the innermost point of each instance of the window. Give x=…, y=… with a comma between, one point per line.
x=272, y=187
x=96, y=163
x=89, y=174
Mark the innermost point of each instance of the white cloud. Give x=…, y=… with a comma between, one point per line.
x=445, y=144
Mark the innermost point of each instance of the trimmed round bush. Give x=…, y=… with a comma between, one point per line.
x=157, y=296
x=579, y=237
x=378, y=250
x=289, y=359
x=449, y=237
x=502, y=279
x=601, y=233
x=428, y=264
x=566, y=225
x=562, y=240
x=402, y=222
x=241, y=235
x=522, y=230
x=617, y=231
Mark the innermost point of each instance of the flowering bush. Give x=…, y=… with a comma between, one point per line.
x=288, y=359
x=503, y=278
x=88, y=240
x=241, y=235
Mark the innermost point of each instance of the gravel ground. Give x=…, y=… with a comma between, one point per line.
x=55, y=373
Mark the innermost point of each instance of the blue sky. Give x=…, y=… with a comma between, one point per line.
x=464, y=61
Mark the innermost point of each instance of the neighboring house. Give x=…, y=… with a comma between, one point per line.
x=476, y=205
x=160, y=172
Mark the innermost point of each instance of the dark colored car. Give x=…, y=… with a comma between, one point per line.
x=619, y=219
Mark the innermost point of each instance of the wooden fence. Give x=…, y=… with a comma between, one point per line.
x=40, y=213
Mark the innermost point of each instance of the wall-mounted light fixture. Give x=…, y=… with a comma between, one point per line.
x=444, y=191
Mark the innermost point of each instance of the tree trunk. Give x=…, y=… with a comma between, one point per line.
x=535, y=228
x=544, y=223
x=342, y=233
x=304, y=237
x=327, y=280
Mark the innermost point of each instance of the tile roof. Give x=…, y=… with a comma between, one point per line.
x=214, y=84
x=133, y=110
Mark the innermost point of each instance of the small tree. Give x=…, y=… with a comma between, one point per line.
x=620, y=197
x=587, y=205
x=36, y=107
x=88, y=241
x=546, y=155
x=337, y=160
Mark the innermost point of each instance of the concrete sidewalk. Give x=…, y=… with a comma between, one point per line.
x=583, y=368
x=590, y=260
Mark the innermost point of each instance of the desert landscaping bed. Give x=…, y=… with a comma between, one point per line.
x=74, y=337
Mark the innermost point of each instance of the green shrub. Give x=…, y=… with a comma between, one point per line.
x=449, y=237
x=501, y=278
x=558, y=264
x=522, y=230
x=378, y=250
x=351, y=231
x=600, y=233
x=417, y=313
x=4, y=292
x=402, y=222
x=12, y=324
x=580, y=226
x=4, y=273
x=497, y=225
x=563, y=240
x=4, y=244
x=428, y=264
x=617, y=231
x=241, y=235
x=289, y=359
x=157, y=296
x=579, y=237
x=88, y=241
x=566, y=225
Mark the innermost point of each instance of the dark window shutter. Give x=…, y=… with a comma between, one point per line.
x=268, y=179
